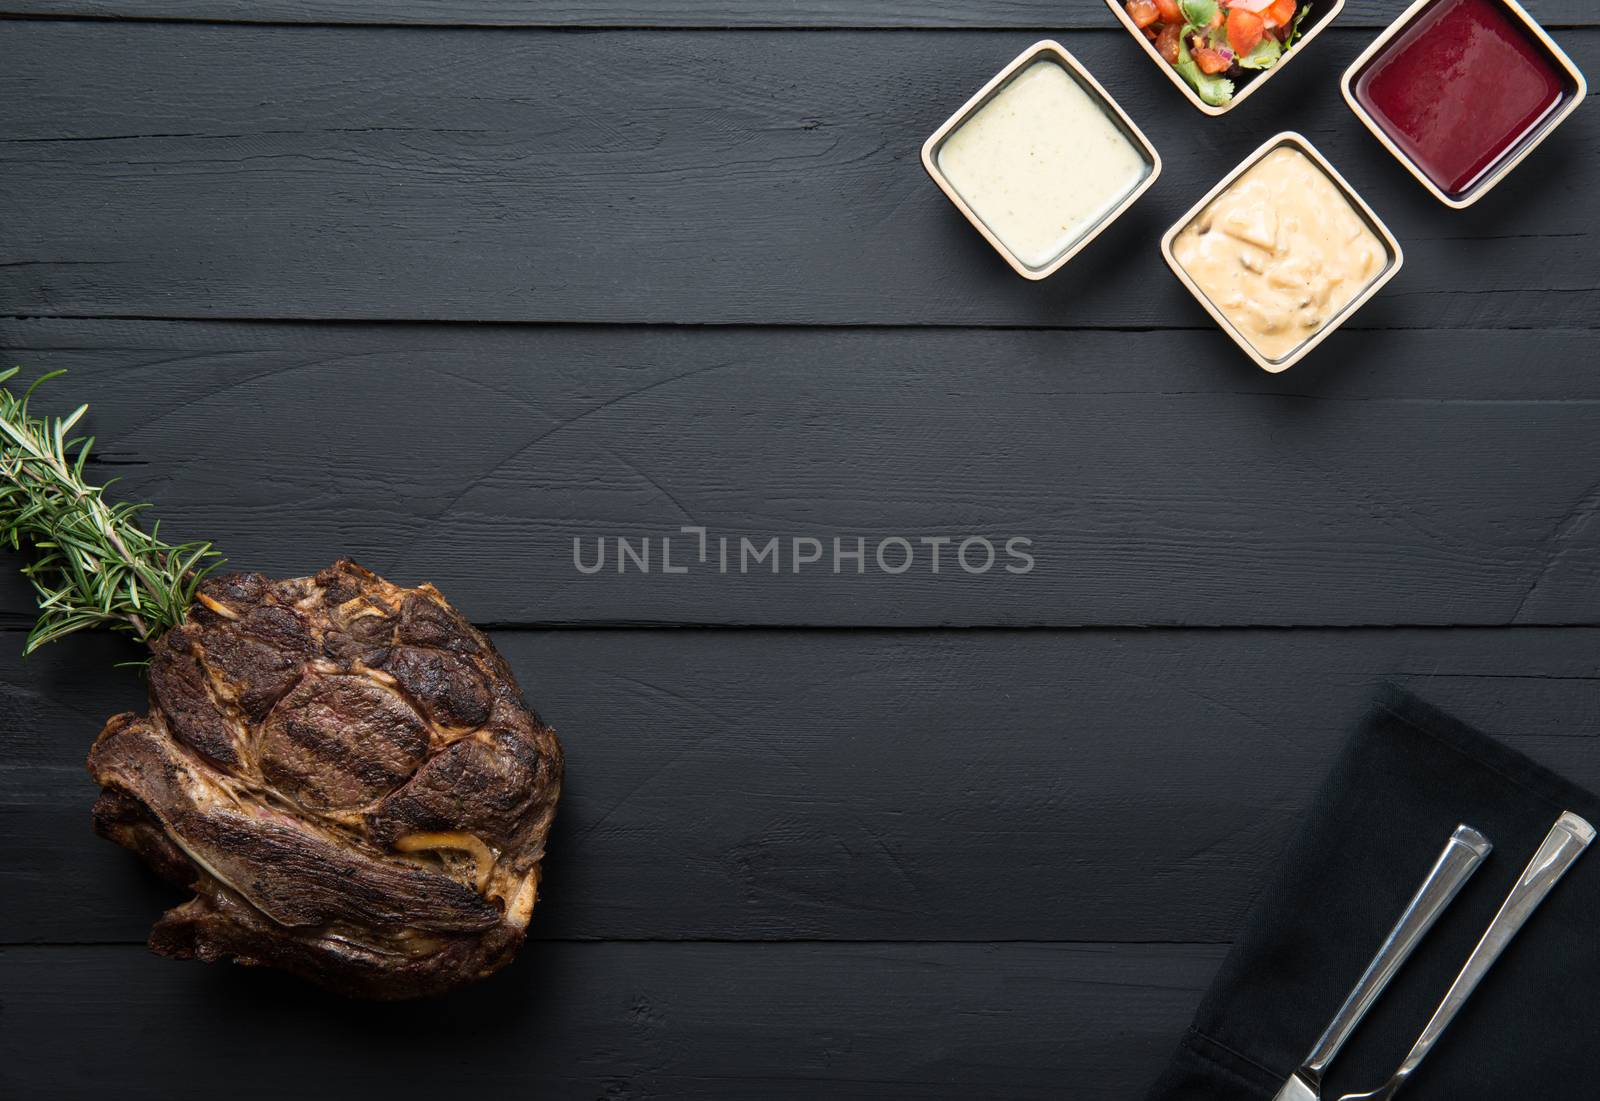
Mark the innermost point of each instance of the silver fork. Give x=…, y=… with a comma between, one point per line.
x=1465, y=850
x=1564, y=844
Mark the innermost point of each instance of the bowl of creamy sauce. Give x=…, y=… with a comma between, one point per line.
x=1282, y=251
x=1041, y=160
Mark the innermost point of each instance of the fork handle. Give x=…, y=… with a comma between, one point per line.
x=1460, y=858
x=1564, y=844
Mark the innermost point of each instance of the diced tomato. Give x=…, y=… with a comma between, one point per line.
x=1216, y=19
x=1281, y=13
x=1170, y=12
x=1167, y=42
x=1143, y=12
x=1244, y=31
x=1210, y=61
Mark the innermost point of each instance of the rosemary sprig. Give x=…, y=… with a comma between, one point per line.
x=94, y=566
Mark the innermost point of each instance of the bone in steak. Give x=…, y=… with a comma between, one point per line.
x=344, y=773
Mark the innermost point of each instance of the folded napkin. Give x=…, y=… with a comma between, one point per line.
x=1409, y=776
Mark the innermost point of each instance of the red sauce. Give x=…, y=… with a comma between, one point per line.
x=1460, y=88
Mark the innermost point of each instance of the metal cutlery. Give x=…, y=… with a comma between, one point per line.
x=1564, y=844
x=1460, y=858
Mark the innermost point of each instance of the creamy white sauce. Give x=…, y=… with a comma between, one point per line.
x=1041, y=163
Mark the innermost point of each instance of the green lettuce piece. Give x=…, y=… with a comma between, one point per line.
x=1198, y=13
x=1215, y=90
x=1294, y=28
x=1264, y=56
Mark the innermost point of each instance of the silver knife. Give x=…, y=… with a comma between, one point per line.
x=1460, y=858
x=1564, y=844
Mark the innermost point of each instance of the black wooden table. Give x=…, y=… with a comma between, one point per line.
x=444, y=285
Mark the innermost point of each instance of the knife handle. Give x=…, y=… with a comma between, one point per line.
x=1564, y=844
x=1460, y=858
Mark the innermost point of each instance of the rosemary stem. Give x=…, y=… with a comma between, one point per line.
x=93, y=566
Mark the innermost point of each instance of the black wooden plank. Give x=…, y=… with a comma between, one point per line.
x=617, y=1021
x=1082, y=786
x=1397, y=477
x=704, y=177
x=1049, y=15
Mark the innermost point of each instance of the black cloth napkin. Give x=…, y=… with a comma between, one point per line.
x=1409, y=776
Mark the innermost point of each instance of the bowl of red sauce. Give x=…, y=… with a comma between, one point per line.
x=1461, y=91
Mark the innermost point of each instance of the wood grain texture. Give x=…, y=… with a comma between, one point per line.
x=1059, y=830
x=617, y=1021
x=1049, y=15
x=948, y=786
x=1396, y=477
x=696, y=177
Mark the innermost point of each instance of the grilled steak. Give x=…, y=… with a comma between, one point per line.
x=344, y=773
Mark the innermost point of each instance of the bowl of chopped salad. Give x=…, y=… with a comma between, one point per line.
x=1219, y=51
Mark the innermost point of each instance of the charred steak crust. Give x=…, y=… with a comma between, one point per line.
x=344, y=773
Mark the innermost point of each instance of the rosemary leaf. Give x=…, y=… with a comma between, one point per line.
x=93, y=565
